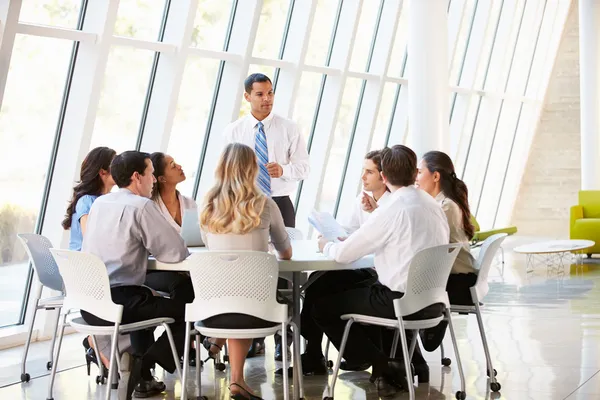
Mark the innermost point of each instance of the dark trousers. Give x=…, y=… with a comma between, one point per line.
x=177, y=284
x=139, y=304
x=329, y=283
x=459, y=288
x=287, y=210
x=366, y=344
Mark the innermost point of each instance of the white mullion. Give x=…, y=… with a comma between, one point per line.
x=329, y=71
x=472, y=60
x=80, y=114
x=295, y=53
x=169, y=74
x=329, y=110
x=272, y=62
x=371, y=103
x=456, y=14
x=9, y=21
x=365, y=76
x=399, y=129
x=231, y=87
x=55, y=32
x=161, y=47
x=392, y=79
x=215, y=55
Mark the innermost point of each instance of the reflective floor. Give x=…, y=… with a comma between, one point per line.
x=543, y=330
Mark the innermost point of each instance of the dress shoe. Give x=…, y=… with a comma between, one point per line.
x=279, y=354
x=386, y=387
x=349, y=366
x=149, y=388
x=310, y=366
x=395, y=373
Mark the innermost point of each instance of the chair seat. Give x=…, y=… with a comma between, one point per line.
x=462, y=309
x=81, y=326
x=393, y=323
x=237, y=333
x=51, y=302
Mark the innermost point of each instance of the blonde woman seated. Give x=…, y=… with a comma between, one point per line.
x=238, y=216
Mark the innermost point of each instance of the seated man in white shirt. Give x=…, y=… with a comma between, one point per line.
x=331, y=282
x=409, y=222
x=123, y=228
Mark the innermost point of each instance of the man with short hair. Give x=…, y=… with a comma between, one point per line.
x=409, y=222
x=123, y=229
x=281, y=155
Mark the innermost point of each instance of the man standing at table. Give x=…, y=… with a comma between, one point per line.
x=279, y=146
x=281, y=154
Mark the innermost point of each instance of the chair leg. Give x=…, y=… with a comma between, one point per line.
x=486, y=349
x=394, y=344
x=198, y=366
x=405, y=355
x=53, y=343
x=286, y=384
x=297, y=357
x=456, y=353
x=186, y=360
x=100, y=363
x=327, y=352
x=413, y=343
x=55, y=363
x=24, y=375
x=113, y=362
x=330, y=388
x=174, y=349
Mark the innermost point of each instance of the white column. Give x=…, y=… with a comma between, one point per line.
x=589, y=64
x=428, y=76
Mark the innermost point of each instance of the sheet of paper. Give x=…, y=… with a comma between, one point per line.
x=326, y=225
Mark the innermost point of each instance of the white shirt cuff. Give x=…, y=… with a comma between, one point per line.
x=327, y=250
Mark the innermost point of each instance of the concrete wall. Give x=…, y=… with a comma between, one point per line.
x=552, y=177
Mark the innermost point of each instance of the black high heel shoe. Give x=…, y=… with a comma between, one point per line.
x=240, y=396
x=90, y=357
x=207, y=345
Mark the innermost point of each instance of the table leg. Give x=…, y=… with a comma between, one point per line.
x=298, y=390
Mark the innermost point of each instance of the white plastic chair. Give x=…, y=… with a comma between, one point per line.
x=46, y=270
x=87, y=288
x=483, y=264
x=251, y=286
x=426, y=285
x=294, y=234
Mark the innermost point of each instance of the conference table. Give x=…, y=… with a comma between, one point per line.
x=306, y=258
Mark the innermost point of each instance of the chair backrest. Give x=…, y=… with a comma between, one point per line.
x=590, y=200
x=294, y=234
x=427, y=279
x=38, y=248
x=242, y=282
x=484, y=262
x=86, y=284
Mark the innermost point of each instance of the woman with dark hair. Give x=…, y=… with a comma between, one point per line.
x=437, y=177
x=94, y=181
x=168, y=175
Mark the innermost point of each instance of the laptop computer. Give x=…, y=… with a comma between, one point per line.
x=190, y=228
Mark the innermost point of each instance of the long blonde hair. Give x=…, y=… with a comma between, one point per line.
x=235, y=203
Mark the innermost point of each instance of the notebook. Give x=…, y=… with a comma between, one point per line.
x=190, y=228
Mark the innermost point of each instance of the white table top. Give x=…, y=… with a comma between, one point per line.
x=305, y=257
x=554, y=246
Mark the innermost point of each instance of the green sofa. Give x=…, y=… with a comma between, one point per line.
x=585, y=219
x=480, y=235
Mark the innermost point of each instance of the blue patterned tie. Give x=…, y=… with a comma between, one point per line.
x=262, y=154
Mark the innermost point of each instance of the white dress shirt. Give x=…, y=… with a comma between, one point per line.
x=285, y=144
x=410, y=221
x=123, y=229
x=185, y=203
x=358, y=216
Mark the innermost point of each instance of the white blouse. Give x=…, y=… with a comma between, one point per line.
x=185, y=203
